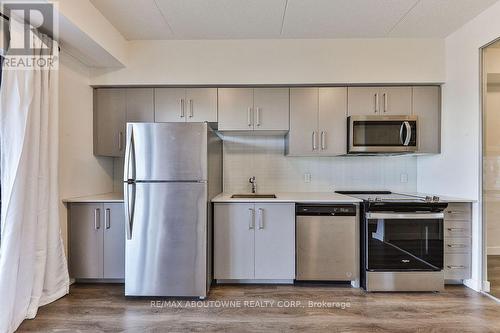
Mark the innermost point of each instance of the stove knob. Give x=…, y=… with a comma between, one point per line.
x=435, y=198
x=428, y=198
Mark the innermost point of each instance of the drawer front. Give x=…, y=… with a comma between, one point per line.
x=457, y=245
x=458, y=211
x=460, y=229
x=457, y=266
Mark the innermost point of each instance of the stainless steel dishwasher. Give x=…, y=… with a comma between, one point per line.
x=326, y=242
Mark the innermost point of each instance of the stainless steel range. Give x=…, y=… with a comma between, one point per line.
x=401, y=241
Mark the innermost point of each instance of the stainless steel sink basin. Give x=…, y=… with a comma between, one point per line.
x=253, y=196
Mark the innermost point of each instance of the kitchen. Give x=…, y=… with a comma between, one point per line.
x=295, y=162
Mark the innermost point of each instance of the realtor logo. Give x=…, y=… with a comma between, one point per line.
x=28, y=45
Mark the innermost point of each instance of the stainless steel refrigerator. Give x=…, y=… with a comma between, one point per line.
x=171, y=172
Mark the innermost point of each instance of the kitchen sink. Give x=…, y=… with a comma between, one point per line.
x=253, y=196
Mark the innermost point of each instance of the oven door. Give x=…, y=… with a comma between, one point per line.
x=404, y=241
x=383, y=134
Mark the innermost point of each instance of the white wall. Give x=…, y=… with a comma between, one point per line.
x=80, y=172
x=279, y=62
x=456, y=170
x=263, y=157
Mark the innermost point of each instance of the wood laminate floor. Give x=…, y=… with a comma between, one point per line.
x=103, y=308
x=494, y=275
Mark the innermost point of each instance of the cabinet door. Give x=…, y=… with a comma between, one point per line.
x=201, y=104
x=395, y=101
x=234, y=226
x=271, y=109
x=332, y=121
x=139, y=105
x=303, y=137
x=363, y=101
x=109, y=122
x=427, y=106
x=86, y=241
x=275, y=241
x=170, y=105
x=235, y=109
x=114, y=241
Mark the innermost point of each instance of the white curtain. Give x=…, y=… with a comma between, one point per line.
x=33, y=267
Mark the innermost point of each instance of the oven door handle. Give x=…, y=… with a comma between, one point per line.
x=413, y=216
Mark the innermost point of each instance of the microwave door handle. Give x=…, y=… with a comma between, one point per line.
x=408, y=133
x=401, y=134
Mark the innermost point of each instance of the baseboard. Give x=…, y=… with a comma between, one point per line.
x=474, y=284
x=493, y=250
x=486, y=286
x=251, y=281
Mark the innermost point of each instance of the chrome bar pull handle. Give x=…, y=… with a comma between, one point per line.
x=376, y=103
x=385, y=102
x=257, y=116
x=97, y=219
x=249, y=116
x=251, y=223
x=107, y=218
x=191, y=113
x=261, y=218
x=323, y=140
x=314, y=141
x=456, y=267
x=120, y=141
x=182, y=108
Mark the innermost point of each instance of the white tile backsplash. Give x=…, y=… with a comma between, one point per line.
x=263, y=157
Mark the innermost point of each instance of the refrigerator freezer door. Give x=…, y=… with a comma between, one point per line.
x=166, y=152
x=166, y=254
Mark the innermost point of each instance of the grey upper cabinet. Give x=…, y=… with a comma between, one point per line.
x=181, y=104
x=201, y=104
x=427, y=106
x=271, y=109
x=170, y=105
x=249, y=109
x=139, y=105
x=109, y=122
x=113, y=107
x=332, y=121
x=318, y=122
x=86, y=241
x=97, y=241
x=365, y=101
x=301, y=139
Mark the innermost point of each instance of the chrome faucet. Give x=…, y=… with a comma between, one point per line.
x=253, y=181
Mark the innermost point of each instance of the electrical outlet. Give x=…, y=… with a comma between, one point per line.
x=403, y=178
x=307, y=177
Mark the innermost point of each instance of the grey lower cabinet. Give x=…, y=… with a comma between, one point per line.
x=365, y=101
x=185, y=104
x=254, y=241
x=253, y=109
x=113, y=108
x=318, y=122
x=457, y=241
x=97, y=241
x=427, y=106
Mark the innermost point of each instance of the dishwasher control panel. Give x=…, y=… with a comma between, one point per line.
x=325, y=210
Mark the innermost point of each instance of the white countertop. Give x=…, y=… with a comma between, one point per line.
x=105, y=197
x=301, y=197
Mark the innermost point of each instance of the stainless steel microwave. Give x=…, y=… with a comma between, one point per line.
x=382, y=134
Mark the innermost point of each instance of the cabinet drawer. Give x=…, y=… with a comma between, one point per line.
x=457, y=266
x=458, y=211
x=457, y=245
x=457, y=229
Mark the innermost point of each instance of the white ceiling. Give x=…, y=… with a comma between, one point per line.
x=257, y=19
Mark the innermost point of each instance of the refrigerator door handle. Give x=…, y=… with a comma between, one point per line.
x=129, y=208
x=129, y=157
